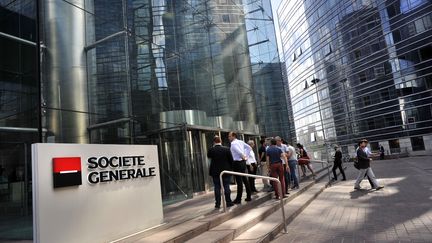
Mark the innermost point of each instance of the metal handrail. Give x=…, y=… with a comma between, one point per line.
x=257, y=177
x=328, y=167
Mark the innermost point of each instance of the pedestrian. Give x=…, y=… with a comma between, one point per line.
x=220, y=159
x=369, y=154
x=364, y=167
x=338, y=164
x=263, y=165
x=274, y=159
x=292, y=166
x=300, y=162
x=304, y=160
x=284, y=148
x=251, y=165
x=240, y=152
x=382, y=152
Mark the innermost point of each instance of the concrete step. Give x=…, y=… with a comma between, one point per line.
x=267, y=229
x=235, y=227
x=182, y=231
x=198, y=220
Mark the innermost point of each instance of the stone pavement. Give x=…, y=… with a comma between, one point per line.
x=401, y=212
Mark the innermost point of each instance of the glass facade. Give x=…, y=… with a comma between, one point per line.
x=173, y=73
x=359, y=69
x=18, y=115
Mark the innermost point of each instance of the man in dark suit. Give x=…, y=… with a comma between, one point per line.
x=221, y=159
x=338, y=164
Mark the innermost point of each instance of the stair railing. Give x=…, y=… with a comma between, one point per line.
x=256, y=177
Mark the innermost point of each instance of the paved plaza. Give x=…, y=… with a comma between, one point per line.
x=401, y=212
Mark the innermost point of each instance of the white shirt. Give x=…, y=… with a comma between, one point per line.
x=293, y=153
x=239, y=149
x=284, y=149
x=367, y=151
x=251, y=158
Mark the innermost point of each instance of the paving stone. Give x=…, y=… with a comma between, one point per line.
x=401, y=212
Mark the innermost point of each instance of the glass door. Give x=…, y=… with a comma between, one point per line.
x=197, y=161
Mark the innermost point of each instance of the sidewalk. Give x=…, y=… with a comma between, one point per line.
x=401, y=212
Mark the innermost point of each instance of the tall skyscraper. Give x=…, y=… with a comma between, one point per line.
x=360, y=69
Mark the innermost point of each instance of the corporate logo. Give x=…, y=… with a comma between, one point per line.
x=67, y=171
x=117, y=168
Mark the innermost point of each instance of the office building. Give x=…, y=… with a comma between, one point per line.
x=173, y=73
x=359, y=69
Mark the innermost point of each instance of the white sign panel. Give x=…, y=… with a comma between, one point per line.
x=94, y=193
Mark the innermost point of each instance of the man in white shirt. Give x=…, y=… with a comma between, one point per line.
x=292, y=163
x=240, y=152
x=251, y=165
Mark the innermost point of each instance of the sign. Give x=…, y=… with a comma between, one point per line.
x=94, y=193
x=67, y=171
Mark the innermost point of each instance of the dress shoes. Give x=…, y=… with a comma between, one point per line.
x=236, y=201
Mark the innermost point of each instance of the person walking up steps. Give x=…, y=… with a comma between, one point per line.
x=240, y=152
x=292, y=166
x=263, y=167
x=274, y=159
x=304, y=160
x=251, y=165
x=220, y=160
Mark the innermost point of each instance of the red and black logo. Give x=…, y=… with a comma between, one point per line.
x=67, y=171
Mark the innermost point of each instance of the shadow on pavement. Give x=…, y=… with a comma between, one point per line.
x=360, y=193
x=401, y=211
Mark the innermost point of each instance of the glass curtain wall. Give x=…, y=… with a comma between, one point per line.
x=148, y=72
x=18, y=115
x=163, y=72
x=358, y=69
x=269, y=90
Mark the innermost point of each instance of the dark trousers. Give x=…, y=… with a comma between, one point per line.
x=338, y=165
x=240, y=166
x=252, y=171
x=287, y=178
x=277, y=171
x=217, y=189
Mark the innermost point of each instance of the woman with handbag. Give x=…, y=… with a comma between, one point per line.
x=304, y=160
